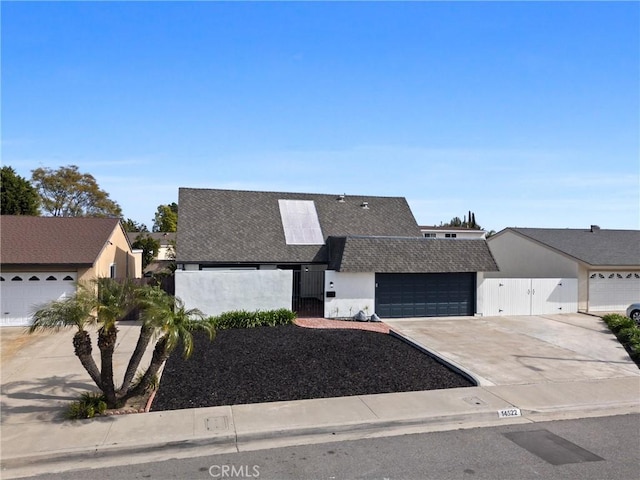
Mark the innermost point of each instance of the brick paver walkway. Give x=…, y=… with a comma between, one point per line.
x=379, y=327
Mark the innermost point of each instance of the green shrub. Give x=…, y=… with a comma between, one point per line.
x=629, y=334
x=617, y=322
x=259, y=318
x=88, y=406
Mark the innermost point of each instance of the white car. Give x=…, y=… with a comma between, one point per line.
x=633, y=312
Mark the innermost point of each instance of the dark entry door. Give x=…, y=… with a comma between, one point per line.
x=308, y=292
x=401, y=295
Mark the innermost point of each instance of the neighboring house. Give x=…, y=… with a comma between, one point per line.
x=166, y=252
x=604, y=263
x=42, y=258
x=452, y=232
x=323, y=255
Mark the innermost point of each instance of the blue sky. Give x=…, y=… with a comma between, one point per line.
x=526, y=113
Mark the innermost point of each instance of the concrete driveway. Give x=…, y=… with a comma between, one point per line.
x=523, y=349
x=40, y=375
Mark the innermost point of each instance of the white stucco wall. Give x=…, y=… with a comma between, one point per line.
x=459, y=234
x=165, y=252
x=215, y=292
x=354, y=292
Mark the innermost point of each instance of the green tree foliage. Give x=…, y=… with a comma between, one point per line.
x=166, y=218
x=104, y=303
x=469, y=221
x=149, y=247
x=19, y=197
x=174, y=324
x=454, y=222
x=66, y=192
x=130, y=225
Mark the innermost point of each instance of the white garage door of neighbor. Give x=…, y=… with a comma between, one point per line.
x=22, y=293
x=613, y=291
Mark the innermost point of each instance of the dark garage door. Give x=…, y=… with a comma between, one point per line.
x=401, y=295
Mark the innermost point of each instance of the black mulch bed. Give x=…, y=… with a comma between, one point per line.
x=268, y=364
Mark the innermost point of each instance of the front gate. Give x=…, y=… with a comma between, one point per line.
x=308, y=293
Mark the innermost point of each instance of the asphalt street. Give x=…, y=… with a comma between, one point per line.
x=586, y=449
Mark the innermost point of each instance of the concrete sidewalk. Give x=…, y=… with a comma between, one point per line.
x=525, y=366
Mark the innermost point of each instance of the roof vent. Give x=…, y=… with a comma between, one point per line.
x=341, y=198
x=595, y=228
x=365, y=205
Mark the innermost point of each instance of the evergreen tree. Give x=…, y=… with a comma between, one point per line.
x=19, y=197
x=166, y=218
x=149, y=247
x=130, y=225
x=468, y=222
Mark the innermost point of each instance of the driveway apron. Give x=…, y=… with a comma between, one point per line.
x=523, y=349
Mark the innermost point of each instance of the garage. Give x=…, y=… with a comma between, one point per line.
x=22, y=292
x=401, y=295
x=613, y=291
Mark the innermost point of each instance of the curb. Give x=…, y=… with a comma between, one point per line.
x=252, y=440
x=233, y=439
x=371, y=427
x=107, y=451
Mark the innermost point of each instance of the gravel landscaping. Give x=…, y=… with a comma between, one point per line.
x=288, y=362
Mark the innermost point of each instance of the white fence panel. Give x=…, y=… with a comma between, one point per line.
x=554, y=295
x=528, y=296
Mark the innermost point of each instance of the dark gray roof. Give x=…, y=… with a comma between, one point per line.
x=229, y=226
x=599, y=247
x=409, y=255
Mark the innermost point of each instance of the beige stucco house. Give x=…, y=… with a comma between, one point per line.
x=42, y=259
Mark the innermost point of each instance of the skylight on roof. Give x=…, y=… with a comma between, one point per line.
x=300, y=222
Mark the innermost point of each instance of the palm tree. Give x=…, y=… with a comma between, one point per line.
x=106, y=301
x=174, y=325
x=101, y=301
x=71, y=312
x=113, y=301
x=153, y=302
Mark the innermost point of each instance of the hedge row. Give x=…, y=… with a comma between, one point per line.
x=626, y=331
x=245, y=319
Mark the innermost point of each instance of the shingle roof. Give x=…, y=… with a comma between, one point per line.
x=409, y=255
x=228, y=226
x=599, y=247
x=26, y=240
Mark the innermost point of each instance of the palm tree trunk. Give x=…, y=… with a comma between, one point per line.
x=107, y=336
x=82, y=349
x=146, y=332
x=160, y=355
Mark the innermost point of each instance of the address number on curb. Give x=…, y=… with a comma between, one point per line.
x=509, y=412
